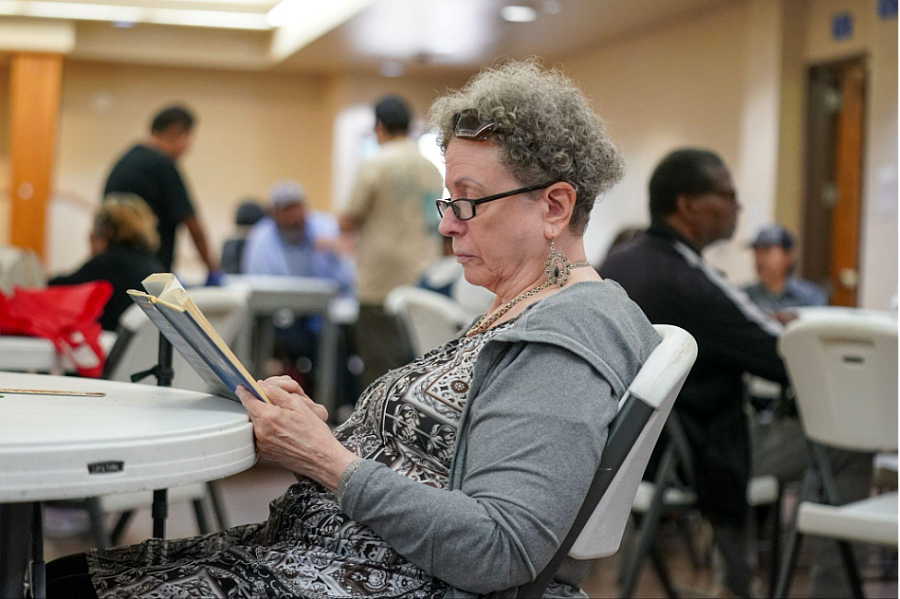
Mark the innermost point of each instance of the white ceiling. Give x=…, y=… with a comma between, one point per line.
x=329, y=35
x=470, y=33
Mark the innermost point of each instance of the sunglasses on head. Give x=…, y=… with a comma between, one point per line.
x=467, y=125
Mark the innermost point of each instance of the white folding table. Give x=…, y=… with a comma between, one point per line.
x=302, y=296
x=135, y=438
x=35, y=354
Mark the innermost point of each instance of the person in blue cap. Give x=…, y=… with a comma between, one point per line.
x=779, y=289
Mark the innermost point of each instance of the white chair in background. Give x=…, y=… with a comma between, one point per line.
x=643, y=410
x=428, y=318
x=844, y=370
x=136, y=350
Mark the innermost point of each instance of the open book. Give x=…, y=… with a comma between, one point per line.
x=176, y=315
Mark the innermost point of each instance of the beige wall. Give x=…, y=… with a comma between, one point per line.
x=254, y=128
x=694, y=82
x=734, y=80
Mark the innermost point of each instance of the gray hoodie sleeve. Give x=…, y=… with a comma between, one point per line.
x=535, y=433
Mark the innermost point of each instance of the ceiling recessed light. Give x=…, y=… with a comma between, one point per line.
x=392, y=68
x=518, y=14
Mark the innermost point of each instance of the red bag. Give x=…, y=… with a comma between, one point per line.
x=66, y=315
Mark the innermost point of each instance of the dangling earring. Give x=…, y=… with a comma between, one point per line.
x=557, y=266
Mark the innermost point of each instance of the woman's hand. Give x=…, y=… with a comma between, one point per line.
x=292, y=433
x=288, y=384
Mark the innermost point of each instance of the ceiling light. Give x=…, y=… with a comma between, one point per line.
x=124, y=24
x=392, y=68
x=518, y=14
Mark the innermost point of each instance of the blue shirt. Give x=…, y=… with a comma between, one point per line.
x=797, y=294
x=268, y=253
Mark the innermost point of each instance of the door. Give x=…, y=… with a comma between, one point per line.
x=833, y=203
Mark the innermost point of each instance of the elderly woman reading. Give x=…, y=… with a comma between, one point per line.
x=460, y=473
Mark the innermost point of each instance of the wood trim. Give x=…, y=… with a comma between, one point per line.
x=845, y=220
x=35, y=81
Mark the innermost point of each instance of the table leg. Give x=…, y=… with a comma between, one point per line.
x=38, y=567
x=326, y=377
x=160, y=511
x=15, y=533
x=264, y=337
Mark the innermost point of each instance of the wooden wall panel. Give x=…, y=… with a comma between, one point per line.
x=34, y=110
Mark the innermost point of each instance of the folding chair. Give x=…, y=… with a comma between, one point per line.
x=598, y=527
x=844, y=369
x=428, y=318
x=672, y=490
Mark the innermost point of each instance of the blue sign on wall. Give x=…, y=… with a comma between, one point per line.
x=887, y=9
x=842, y=26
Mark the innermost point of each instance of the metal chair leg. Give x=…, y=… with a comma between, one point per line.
x=97, y=528
x=650, y=521
x=776, y=545
x=852, y=569
x=662, y=571
x=786, y=572
x=202, y=525
x=215, y=497
x=119, y=529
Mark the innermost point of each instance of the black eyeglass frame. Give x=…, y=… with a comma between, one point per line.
x=447, y=202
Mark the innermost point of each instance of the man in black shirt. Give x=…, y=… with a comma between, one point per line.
x=149, y=171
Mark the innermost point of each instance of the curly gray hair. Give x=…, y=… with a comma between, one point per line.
x=546, y=129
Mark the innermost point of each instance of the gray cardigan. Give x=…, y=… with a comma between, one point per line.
x=529, y=442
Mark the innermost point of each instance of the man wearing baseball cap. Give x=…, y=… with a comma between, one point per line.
x=778, y=289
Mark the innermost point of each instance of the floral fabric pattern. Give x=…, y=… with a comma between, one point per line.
x=308, y=548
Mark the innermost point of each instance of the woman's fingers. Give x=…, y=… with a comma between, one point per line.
x=287, y=383
x=292, y=401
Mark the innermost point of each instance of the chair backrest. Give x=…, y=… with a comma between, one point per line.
x=20, y=268
x=844, y=370
x=136, y=348
x=429, y=318
x=643, y=410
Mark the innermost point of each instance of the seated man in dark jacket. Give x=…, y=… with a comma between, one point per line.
x=692, y=205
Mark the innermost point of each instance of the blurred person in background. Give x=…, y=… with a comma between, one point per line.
x=390, y=212
x=296, y=242
x=150, y=170
x=123, y=251
x=693, y=204
x=249, y=213
x=779, y=289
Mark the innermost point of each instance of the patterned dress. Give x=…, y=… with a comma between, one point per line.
x=307, y=548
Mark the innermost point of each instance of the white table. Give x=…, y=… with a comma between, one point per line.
x=35, y=354
x=303, y=296
x=136, y=438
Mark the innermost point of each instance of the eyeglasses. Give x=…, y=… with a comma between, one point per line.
x=729, y=195
x=464, y=208
x=467, y=125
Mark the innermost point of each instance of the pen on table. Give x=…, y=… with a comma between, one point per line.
x=51, y=392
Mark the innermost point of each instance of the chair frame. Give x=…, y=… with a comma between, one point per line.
x=819, y=477
x=633, y=418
